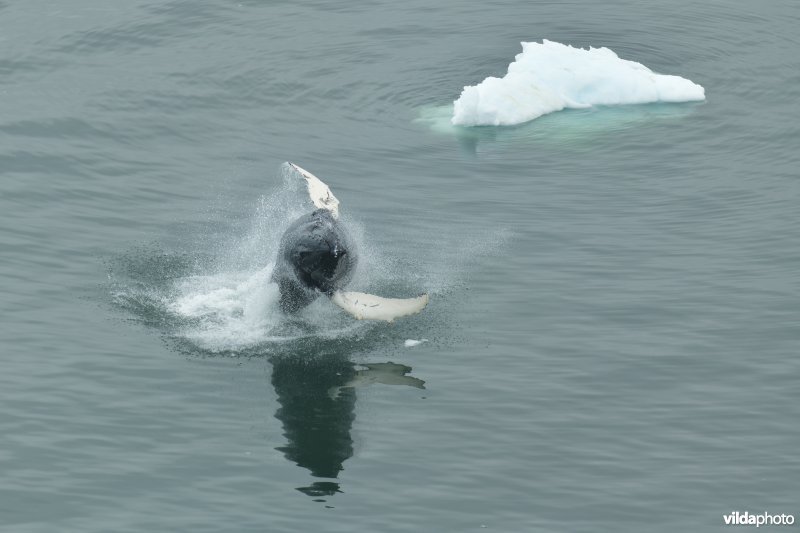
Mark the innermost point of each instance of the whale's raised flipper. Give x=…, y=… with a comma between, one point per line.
x=320, y=194
x=370, y=307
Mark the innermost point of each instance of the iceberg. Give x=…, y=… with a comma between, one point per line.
x=551, y=76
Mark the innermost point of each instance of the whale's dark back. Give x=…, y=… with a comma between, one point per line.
x=316, y=256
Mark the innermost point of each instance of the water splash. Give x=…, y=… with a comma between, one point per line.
x=222, y=300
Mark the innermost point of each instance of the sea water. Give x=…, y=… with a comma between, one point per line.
x=611, y=341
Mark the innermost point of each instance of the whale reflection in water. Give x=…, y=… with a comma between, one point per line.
x=385, y=373
x=317, y=407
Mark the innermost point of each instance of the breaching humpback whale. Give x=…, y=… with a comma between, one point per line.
x=317, y=256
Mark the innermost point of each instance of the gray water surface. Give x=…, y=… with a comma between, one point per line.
x=613, y=327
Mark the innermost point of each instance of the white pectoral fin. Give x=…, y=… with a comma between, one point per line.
x=370, y=307
x=320, y=194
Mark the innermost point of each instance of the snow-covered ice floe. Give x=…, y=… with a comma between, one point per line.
x=551, y=76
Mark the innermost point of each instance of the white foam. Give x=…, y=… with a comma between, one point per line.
x=410, y=343
x=229, y=310
x=551, y=76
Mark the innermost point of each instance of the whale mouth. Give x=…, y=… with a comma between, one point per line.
x=324, y=270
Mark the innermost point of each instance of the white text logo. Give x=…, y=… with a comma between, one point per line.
x=764, y=519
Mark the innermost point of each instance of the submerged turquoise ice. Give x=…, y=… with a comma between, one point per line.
x=611, y=343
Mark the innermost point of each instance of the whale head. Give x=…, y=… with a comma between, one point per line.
x=316, y=256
